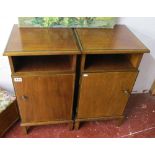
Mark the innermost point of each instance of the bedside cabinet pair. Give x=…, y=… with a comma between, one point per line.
x=64, y=75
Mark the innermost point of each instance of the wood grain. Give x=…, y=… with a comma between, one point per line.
x=135, y=59
x=45, y=98
x=107, y=62
x=8, y=117
x=51, y=63
x=105, y=41
x=41, y=41
x=46, y=60
x=102, y=94
x=46, y=123
x=152, y=90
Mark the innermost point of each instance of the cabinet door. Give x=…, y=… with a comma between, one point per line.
x=45, y=98
x=104, y=94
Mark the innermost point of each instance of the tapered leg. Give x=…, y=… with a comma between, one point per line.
x=25, y=129
x=120, y=121
x=76, y=125
x=71, y=126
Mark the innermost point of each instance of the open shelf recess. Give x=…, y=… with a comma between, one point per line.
x=52, y=63
x=109, y=62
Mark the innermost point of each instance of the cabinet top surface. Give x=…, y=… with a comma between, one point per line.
x=117, y=40
x=41, y=41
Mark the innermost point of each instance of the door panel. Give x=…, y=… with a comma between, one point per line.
x=104, y=94
x=45, y=98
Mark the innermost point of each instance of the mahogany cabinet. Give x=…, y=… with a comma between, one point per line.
x=43, y=65
x=52, y=68
x=109, y=67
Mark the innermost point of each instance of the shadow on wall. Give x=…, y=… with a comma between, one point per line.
x=143, y=28
x=146, y=75
x=5, y=75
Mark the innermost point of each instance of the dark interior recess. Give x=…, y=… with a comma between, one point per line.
x=54, y=63
x=99, y=62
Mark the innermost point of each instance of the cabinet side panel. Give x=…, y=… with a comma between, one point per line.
x=135, y=59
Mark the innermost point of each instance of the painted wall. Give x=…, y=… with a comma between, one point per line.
x=5, y=74
x=144, y=29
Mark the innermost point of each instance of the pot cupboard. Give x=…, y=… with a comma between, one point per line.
x=43, y=66
x=109, y=68
x=62, y=75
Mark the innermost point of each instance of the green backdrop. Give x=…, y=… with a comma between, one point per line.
x=104, y=22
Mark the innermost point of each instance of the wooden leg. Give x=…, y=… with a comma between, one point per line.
x=76, y=125
x=25, y=129
x=120, y=121
x=71, y=126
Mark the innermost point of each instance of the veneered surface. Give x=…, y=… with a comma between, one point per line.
x=41, y=41
x=117, y=40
